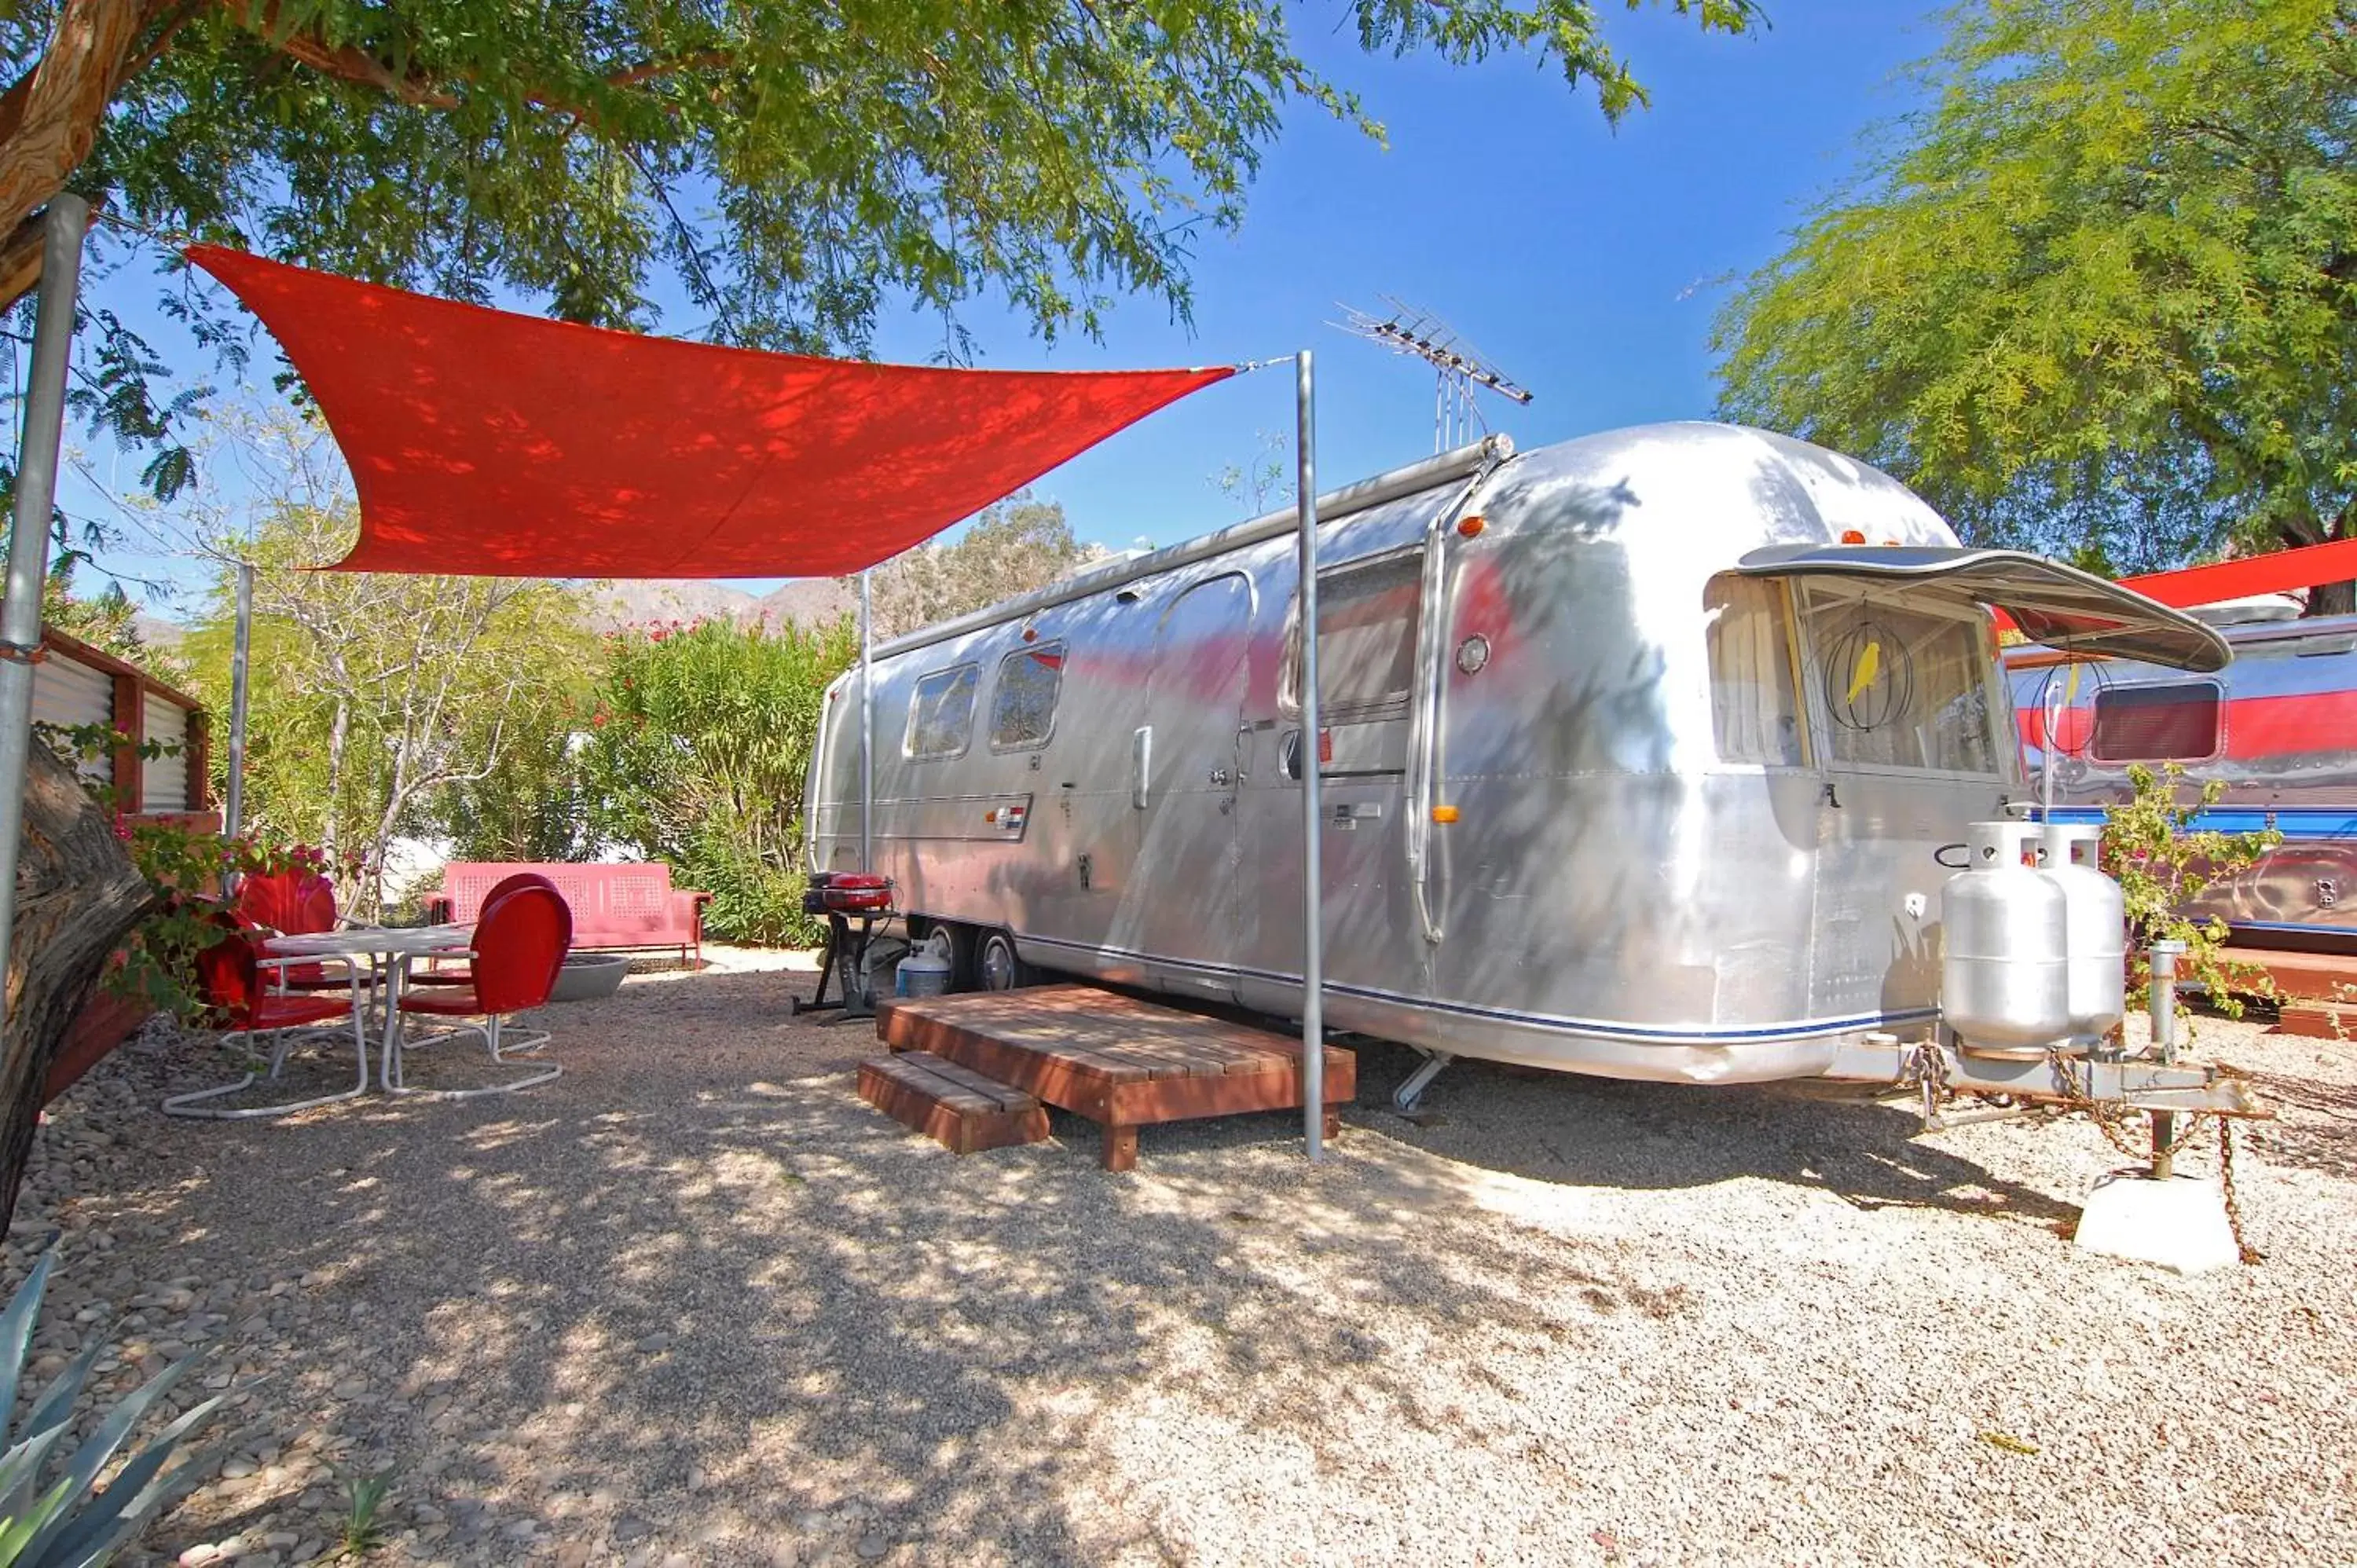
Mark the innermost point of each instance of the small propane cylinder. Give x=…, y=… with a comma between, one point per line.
x=924, y=973
x=2004, y=965
x=2097, y=921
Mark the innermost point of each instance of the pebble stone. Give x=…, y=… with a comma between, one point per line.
x=1556, y=1321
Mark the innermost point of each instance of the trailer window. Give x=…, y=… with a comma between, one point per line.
x=1754, y=712
x=1023, y=703
x=2156, y=723
x=1367, y=615
x=1903, y=688
x=941, y=714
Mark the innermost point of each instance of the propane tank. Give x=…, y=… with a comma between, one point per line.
x=2097, y=922
x=924, y=973
x=2004, y=964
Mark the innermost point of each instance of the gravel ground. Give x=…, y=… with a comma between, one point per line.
x=693, y=1303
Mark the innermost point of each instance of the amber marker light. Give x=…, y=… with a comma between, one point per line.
x=1471, y=527
x=1852, y=536
x=1443, y=814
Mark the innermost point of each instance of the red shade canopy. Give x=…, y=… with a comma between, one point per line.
x=2273, y=572
x=491, y=444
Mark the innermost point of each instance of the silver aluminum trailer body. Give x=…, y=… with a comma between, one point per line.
x=1637, y=761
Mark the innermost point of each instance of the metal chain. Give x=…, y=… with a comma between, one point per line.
x=2250, y=1254
x=2112, y=1125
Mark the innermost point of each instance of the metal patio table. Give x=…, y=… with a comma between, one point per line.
x=389, y=951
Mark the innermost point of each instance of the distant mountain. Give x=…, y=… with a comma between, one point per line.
x=637, y=601
x=809, y=601
x=157, y=632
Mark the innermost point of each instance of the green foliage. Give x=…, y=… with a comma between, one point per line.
x=2100, y=296
x=1014, y=546
x=696, y=755
x=49, y=1516
x=527, y=804
x=2162, y=865
x=105, y=620
x=363, y=1532
x=373, y=695
x=786, y=163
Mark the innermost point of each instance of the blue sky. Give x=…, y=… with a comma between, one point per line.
x=1586, y=260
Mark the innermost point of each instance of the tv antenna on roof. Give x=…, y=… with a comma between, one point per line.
x=1410, y=330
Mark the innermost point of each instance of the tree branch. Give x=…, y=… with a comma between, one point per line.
x=348, y=62
x=49, y=117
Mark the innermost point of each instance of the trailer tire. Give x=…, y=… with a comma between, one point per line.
x=961, y=951
x=997, y=966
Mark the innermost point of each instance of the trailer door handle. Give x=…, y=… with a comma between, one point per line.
x=1141, y=763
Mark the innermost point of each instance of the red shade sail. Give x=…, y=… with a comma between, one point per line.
x=491, y=444
x=2273, y=572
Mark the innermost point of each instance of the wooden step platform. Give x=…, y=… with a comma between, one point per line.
x=2318, y=1020
x=1120, y=1062
x=2307, y=976
x=955, y=1106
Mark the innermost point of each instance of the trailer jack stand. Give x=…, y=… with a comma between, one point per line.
x=1408, y=1095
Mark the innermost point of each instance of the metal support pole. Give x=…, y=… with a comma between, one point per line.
x=2164, y=956
x=241, y=648
x=867, y=727
x=29, y=537
x=1313, y=914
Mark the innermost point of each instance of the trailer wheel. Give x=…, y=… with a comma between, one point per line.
x=999, y=967
x=959, y=941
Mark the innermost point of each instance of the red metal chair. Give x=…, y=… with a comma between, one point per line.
x=464, y=974
x=229, y=975
x=293, y=903
x=521, y=939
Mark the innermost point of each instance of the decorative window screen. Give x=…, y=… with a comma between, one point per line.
x=1903, y=688
x=941, y=714
x=1023, y=703
x=1367, y=616
x=2156, y=723
x=1754, y=710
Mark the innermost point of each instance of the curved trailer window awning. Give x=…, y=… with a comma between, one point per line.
x=2052, y=603
x=486, y=443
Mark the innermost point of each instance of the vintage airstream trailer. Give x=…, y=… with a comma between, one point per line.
x=1640, y=754
x=2276, y=728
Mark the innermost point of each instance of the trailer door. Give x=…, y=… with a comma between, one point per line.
x=1182, y=908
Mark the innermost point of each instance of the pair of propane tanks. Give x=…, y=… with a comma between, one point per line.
x=2033, y=955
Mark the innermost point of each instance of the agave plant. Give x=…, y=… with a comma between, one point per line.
x=49, y=1516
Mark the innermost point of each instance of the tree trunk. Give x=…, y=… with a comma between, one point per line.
x=2307, y=527
x=78, y=895
x=50, y=118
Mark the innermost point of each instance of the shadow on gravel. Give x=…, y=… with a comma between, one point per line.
x=1598, y=1132
x=2315, y=1125
x=693, y=1296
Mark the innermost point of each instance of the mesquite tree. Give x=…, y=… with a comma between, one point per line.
x=77, y=894
x=2099, y=295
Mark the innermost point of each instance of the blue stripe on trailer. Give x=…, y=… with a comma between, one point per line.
x=2295, y=822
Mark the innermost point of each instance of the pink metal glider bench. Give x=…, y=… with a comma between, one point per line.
x=613, y=906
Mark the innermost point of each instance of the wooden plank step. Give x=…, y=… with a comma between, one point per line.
x=956, y=1106
x=2318, y=1020
x=2303, y=976
x=1119, y=1061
